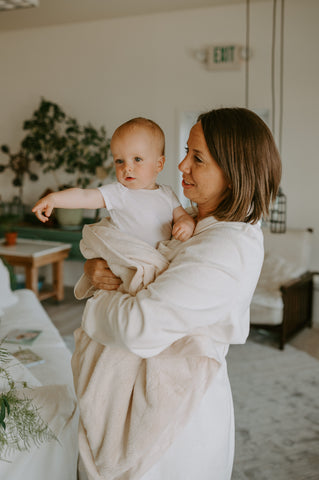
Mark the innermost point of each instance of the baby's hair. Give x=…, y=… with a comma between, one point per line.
x=153, y=127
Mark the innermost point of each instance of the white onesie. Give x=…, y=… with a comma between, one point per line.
x=145, y=214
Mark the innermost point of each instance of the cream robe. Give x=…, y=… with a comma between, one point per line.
x=204, y=294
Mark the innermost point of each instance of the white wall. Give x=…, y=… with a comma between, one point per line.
x=108, y=71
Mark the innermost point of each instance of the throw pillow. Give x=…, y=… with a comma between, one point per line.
x=276, y=271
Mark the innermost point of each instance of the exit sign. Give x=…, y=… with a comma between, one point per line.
x=223, y=57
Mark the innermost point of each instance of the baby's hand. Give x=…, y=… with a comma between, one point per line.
x=184, y=228
x=43, y=208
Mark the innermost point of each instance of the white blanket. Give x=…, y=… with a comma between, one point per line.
x=136, y=262
x=131, y=408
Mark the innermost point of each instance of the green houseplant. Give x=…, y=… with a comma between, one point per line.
x=57, y=142
x=8, y=225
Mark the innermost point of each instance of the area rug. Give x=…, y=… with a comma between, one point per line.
x=276, y=402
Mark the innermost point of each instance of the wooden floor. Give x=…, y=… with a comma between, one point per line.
x=67, y=314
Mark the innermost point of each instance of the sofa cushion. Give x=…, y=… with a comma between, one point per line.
x=275, y=272
x=7, y=297
x=265, y=315
x=295, y=246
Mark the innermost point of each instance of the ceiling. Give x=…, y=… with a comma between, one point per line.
x=58, y=12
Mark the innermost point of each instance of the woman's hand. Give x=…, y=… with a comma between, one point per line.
x=100, y=275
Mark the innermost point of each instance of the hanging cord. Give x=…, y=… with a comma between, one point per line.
x=247, y=55
x=273, y=49
x=281, y=88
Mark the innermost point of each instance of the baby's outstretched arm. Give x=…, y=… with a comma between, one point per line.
x=70, y=198
x=184, y=224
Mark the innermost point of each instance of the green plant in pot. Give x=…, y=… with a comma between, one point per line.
x=8, y=225
x=59, y=144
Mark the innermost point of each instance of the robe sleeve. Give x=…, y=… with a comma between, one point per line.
x=206, y=290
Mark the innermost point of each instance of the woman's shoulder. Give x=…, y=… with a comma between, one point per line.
x=218, y=242
x=210, y=227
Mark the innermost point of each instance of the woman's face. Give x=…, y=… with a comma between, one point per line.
x=203, y=180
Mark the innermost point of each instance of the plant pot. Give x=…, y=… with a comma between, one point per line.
x=69, y=218
x=10, y=238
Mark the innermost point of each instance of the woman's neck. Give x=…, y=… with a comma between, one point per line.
x=202, y=213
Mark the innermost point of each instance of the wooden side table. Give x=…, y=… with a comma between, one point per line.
x=45, y=233
x=32, y=254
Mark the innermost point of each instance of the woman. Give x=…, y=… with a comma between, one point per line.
x=231, y=171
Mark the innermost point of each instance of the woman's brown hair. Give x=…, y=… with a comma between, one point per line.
x=244, y=148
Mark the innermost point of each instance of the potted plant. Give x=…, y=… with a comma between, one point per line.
x=58, y=143
x=8, y=224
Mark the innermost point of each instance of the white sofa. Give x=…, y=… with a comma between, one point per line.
x=51, y=381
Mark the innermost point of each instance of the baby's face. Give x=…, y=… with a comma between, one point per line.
x=137, y=158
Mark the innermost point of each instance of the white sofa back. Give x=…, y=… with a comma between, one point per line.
x=294, y=246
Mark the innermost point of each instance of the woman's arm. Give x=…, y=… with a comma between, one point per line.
x=70, y=198
x=207, y=288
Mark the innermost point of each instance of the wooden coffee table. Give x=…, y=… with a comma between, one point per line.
x=32, y=254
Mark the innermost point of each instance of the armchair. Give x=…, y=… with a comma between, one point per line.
x=283, y=299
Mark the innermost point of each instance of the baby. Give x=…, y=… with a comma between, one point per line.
x=136, y=203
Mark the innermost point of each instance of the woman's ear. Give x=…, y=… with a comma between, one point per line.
x=160, y=163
